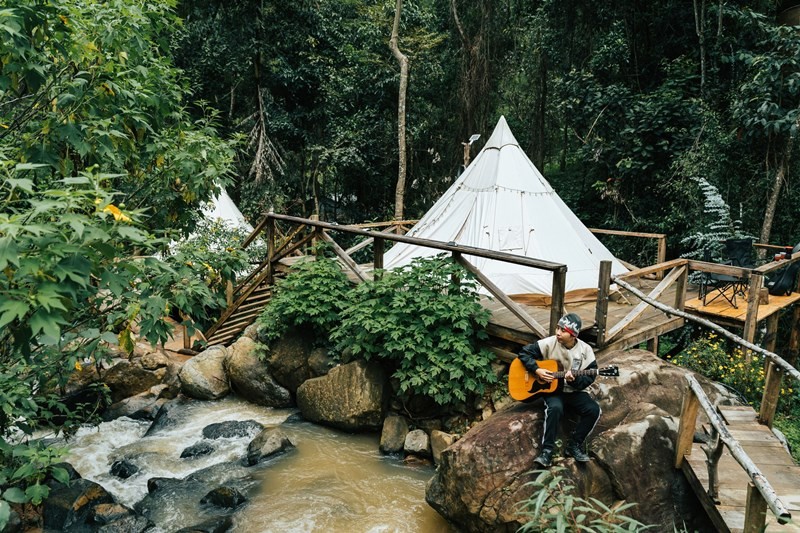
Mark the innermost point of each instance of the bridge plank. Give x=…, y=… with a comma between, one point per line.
x=766, y=451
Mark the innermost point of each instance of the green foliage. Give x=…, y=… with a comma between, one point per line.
x=24, y=469
x=426, y=320
x=312, y=295
x=97, y=150
x=712, y=357
x=789, y=422
x=766, y=103
x=200, y=267
x=89, y=85
x=716, y=225
x=553, y=507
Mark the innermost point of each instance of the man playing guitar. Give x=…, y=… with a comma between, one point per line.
x=573, y=354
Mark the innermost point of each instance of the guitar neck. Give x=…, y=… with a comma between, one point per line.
x=576, y=373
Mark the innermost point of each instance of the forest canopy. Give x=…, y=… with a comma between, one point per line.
x=622, y=105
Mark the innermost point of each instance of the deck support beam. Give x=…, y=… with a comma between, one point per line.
x=510, y=304
x=601, y=310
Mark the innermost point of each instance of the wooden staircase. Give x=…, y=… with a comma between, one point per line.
x=237, y=317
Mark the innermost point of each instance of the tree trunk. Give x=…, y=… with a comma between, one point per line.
x=700, y=30
x=772, y=202
x=541, y=132
x=400, y=190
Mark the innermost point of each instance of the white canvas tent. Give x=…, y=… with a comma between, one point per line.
x=222, y=207
x=502, y=202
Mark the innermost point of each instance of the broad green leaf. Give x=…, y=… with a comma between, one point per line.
x=77, y=180
x=15, y=495
x=134, y=234
x=29, y=166
x=5, y=514
x=21, y=183
x=47, y=323
x=12, y=309
x=37, y=493
x=9, y=253
x=49, y=297
x=61, y=475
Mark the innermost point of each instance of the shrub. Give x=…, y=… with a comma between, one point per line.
x=313, y=295
x=426, y=320
x=712, y=357
x=554, y=507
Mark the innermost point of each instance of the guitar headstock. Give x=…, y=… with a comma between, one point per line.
x=609, y=371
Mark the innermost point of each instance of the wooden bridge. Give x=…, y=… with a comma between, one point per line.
x=740, y=474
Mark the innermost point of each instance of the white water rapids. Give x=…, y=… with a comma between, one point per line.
x=332, y=481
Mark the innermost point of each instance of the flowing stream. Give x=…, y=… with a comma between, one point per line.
x=332, y=481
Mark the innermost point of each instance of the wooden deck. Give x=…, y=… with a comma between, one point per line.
x=774, y=461
x=721, y=311
x=507, y=327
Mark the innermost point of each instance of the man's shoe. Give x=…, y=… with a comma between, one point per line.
x=574, y=450
x=545, y=459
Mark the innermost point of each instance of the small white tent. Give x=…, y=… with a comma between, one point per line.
x=222, y=207
x=502, y=202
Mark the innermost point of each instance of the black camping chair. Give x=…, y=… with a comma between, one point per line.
x=724, y=285
x=784, y=280
x=740, y=252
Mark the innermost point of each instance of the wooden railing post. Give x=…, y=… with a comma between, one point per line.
x=270, y=228
x=751, y=320
x=601, y=311
x=377, y=257
x=689, y=409
x=681, y=285
x=772, y=389
x=794, y=337
x=557, y=301
x=755, y=510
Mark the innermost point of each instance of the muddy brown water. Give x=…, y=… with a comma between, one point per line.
x=333, y=481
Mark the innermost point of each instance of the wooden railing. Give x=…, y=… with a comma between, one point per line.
x=678, y=270
x=660, y=238
x=621, y=334
x=760, y=493
x=320, y=231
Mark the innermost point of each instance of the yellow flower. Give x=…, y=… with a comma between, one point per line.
x=78, y=366
x=118, y=215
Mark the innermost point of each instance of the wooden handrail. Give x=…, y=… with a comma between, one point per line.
x=637, y=311
x=661, y=240
x=558, y=270
x=779, y=361
x=696, y=396
x=428, y=243
x=510, y=304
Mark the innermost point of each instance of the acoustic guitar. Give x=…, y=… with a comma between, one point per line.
x=524, y=385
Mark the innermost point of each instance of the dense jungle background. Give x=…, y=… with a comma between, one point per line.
x=622, y=105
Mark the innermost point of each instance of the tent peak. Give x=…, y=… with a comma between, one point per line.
x=501, y=136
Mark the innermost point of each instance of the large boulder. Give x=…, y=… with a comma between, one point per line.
x=352, y=397
x=250, y=377
x=71, y=508
x=288, y=359
x=203, y=376
x=482, y=477
x=128, y=378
